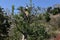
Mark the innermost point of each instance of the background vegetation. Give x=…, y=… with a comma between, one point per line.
x=29, y=23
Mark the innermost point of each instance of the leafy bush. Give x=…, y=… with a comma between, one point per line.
x=33, y=30
x=47, y=17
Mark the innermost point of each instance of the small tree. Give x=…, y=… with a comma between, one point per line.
x=32, y=30
x=4, y=25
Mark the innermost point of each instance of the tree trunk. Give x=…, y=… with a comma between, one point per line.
x=23, y=37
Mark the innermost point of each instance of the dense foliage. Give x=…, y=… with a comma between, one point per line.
x=4, y=25
x=31, y=22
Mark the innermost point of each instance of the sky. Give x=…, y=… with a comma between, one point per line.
x=17, y=3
